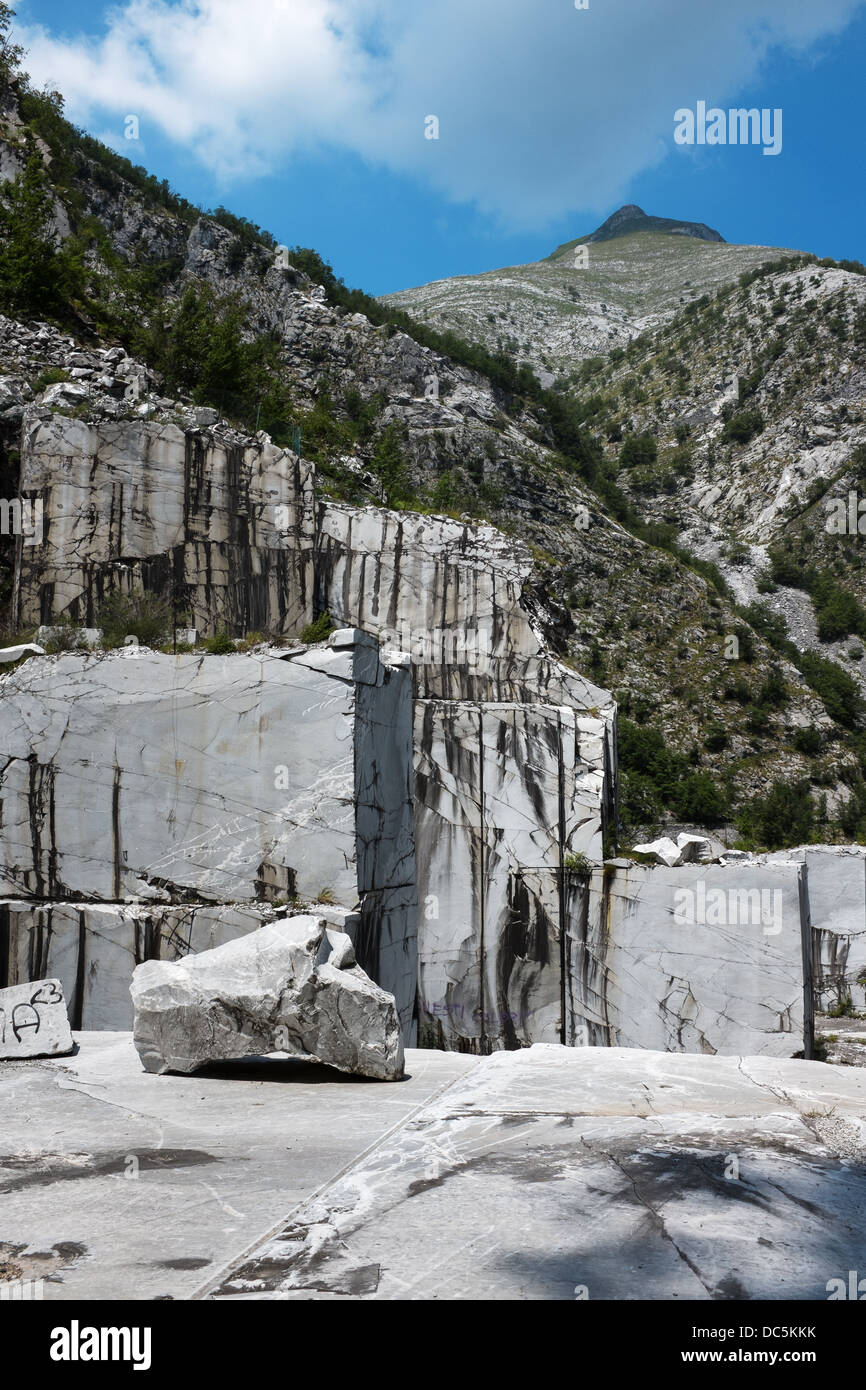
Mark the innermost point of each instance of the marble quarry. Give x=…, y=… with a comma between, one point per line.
x=433, y=772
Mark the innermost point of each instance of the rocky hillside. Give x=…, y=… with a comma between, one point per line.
x=121, y=299
x=635, y=273
x=740, y=430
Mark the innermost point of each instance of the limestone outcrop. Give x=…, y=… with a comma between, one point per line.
x=293, y=987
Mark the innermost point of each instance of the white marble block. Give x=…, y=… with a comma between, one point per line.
x=837, y=904
x=33, y=1021
x=504, y=793
x=698, y=958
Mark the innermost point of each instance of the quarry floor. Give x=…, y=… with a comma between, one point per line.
x=551, y=1173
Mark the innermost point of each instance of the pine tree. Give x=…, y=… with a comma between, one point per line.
x=31, y=269
x=390, y=465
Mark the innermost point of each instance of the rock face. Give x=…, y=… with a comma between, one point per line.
x=514, y=759
x=697, y=958
x=33, y=1021
x=290, y=987
x=499, y=724
x=224, y=519
x=205, y=779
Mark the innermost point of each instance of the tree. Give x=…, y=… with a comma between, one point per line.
x=198, y=347
x=389, y=464
x=10, y=53
x=784, y=817
x=36, y=276
x=699, y=800
x=638, y=450
x=743, y=426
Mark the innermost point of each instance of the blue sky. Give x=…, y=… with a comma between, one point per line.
x=308, y=116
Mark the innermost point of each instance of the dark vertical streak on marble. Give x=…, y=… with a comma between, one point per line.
x=482, y=889
x=5, y=945
x=806, y=942
x=39, y=943
x=560, y=881
x=115, y=830
x=76, y=1011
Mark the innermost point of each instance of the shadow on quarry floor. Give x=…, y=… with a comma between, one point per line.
x=560, y=1174
x=531, y=1175
x=284, y=1070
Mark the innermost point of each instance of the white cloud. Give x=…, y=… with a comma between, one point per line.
x=542, y=107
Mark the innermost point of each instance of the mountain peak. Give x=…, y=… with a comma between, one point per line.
x=631, y=218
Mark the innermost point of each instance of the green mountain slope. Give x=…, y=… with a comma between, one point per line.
x=397, y=413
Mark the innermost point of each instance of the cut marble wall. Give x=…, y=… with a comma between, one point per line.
x=225, y=519
x=837, y=902
x=514, y=763
x=238, y=779
x=449, y=595
x=700, y=958
x=503, y=794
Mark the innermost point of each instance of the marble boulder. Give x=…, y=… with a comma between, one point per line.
x=291, y=987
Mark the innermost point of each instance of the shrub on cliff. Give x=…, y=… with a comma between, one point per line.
x=782, y=818
x=143, y=616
